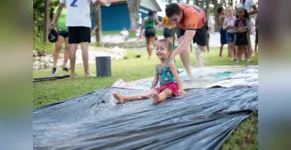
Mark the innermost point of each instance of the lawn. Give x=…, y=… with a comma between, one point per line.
x=44, y=93
x=131, y=33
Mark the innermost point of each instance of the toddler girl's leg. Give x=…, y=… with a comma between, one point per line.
x=239, y=53
x=235, y=54
x=246, y=52
x=162, y=96
x=122, y=99
x=231, y=48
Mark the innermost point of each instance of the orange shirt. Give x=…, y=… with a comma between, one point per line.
x=167, y=23
x=193, y=17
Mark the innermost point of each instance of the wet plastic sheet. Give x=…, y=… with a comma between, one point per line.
x=202, y=120
x=205, y=77
x=49, y=78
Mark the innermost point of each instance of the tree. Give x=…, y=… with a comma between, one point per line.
x=216, y=5
x=133, y=8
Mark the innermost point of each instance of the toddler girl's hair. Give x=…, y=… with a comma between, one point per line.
x=167, y=43
x=246, y=15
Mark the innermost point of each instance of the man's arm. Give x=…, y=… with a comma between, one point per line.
x=255, y=9
x=57, y=15
x=188, y=38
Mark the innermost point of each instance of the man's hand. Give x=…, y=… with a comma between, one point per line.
x=52, y=25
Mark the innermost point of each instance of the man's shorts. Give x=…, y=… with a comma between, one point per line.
x=200, y=37
x=63, y=33
x=79, y=34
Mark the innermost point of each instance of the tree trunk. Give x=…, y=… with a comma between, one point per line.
x=46, y=20
x=133, y=8
x=188, y=1
x=99, y=25
x=216, y=17
x=201, y=4
x=207, y=9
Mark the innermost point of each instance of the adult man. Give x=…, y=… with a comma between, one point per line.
x=79, y=24
x=192, y=26
x=252, y=9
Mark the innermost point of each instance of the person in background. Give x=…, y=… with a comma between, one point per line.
x=149, y=24
x=252, y=9
x=124, y=33
x=228, y=25
x=78, y=22
x=222, y=32
x=168, y=28
x=62, y=38
x=241, y=36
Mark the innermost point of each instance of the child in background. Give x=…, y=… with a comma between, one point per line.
x=228, y=25
x=166, y=74
x=168, y=28
x=222, y=31
x=241, y=36
x=124, y=33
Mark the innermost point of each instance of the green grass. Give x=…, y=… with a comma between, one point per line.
x=131, y=33
x=44, y=93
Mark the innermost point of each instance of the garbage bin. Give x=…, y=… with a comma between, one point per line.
x=103, y=66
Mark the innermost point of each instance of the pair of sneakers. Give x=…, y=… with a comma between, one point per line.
x=54, y=70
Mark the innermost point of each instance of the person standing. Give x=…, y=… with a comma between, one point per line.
x=252, y=9
x=149, y=24
x=79, y=26
x=192, y=27
x=63, y=37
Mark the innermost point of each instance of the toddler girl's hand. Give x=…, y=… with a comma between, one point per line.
x=184, y=93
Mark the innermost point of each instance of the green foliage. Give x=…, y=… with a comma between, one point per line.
x=38, y=25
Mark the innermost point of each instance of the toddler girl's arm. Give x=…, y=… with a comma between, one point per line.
x=224, y=26
x=156, y=79
x=173, y=68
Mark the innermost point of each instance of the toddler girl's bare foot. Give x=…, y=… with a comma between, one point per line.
x=155, y=97
x=119, y=98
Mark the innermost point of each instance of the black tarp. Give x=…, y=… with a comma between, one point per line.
x=49, y=78
x=202, y=120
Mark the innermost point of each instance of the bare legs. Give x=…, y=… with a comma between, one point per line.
x=156, y=97
x=58, y=49
x=150, y=42
x=220, y=50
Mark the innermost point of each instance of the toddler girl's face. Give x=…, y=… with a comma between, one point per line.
x=162, y=51
x=240, y=12
x=229, y=12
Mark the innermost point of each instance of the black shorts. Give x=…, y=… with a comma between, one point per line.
x=63, y=33
x=79, y=34
x=241, y=39
x=150, y=32
x=200, y=37
x=168, y=32
x=257, y=36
